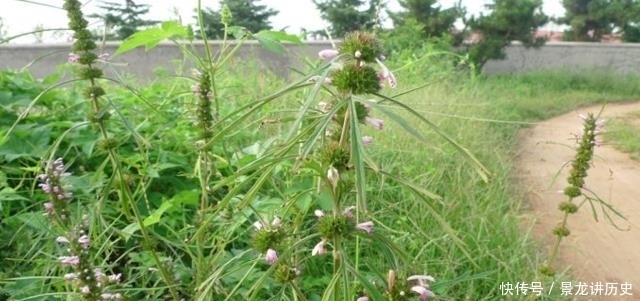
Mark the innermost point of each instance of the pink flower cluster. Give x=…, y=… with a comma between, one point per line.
x=271, y=256
x=320, y=247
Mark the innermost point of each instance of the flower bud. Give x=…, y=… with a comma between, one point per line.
x=333, y=176
x=328, y=54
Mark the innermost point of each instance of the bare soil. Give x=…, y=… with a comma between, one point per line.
x=595, y=251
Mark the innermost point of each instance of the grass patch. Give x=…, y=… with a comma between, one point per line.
x=483, y=114
x=624, y=134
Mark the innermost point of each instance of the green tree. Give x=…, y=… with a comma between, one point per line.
x=589, y=20
x=435, y=21
x=245, y=13
x=509, y=20
x=123, y=20
x=349, y=15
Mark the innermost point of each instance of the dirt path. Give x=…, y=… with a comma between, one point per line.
x=594, y=252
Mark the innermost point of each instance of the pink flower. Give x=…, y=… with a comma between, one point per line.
x=69, y=260
x=73, y=58
x=271, y=257
x=348, y=212
x=319, y=248
x=366, y=227
x=328, y=54
x=376, y=123
x=422, y=288
x=48, y=208
x=422, y=279
x=363, y=298
x=385, y=74
x=367, y=140
x=62, y=240
x=84, y=241
x=422, y=291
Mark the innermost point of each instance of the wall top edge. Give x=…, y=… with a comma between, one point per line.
x=164, y=43
x=582, y=44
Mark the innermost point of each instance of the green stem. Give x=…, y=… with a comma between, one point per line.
x=556, y=244
x=126, y=196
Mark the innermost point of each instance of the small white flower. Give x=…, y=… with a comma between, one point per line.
x=276, y=222
x=319, y=248
x=85, y=290
x=367, y=140
x=258, y=225
x=84, y=241
x=333, y=176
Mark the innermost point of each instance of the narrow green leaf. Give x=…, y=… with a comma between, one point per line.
x=357, y=158
x=481, y=170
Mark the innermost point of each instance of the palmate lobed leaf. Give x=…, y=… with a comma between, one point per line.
x=272, y=40
x=151, y=37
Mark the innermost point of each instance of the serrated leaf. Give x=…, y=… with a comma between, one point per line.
x=154, y=218
x=10, y=194
x=183, y=197
x=270, y=44
x=151, y=37
x=279, y=36
x=272, y=40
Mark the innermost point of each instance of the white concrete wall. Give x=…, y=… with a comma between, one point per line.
x=42, y=59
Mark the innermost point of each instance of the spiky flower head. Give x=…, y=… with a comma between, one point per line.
x=285, y=273
x=268, y=237
x=333, y=154
x=356, y=79
x=361, y=46
x=332, y=226
x=225, y=15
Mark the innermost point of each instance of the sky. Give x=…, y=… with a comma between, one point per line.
x=20, y=16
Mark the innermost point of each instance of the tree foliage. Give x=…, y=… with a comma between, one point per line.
x=509, y=20
x=435, y=21
x=123, y=19
x=349, y=15
x=245, y=13
x=590, y=20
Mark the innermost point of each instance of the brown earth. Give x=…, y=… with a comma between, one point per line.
x=595, y=251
